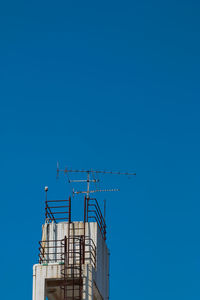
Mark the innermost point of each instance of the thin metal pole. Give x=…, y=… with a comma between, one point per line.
x=73, y=259
x=84, y=230
x=65, y=267
x=104, y=209
x=88, y=185
x=87, y=209
x=46, y=212
x=69, y=209
x=80, y=262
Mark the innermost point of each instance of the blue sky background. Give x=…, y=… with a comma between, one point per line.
x=104, y=85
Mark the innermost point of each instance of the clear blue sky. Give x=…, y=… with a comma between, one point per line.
x=105, y=85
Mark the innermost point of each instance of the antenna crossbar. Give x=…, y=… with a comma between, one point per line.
x=95, y=191
x=83, y=180
x=94, y=171
x=88, y=179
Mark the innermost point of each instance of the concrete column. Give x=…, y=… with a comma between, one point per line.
x=47, y=278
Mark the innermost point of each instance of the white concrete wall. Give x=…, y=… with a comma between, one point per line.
x=40, y=273
x=101, y=276
x=92, y=277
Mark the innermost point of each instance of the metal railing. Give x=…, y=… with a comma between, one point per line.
x=58, y=210
x=93, y=212
x=55, y=251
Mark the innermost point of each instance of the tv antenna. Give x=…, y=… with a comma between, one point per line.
x=89, y=180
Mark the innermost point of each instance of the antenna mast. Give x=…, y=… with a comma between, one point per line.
x=89, y=180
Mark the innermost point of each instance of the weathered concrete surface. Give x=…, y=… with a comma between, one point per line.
x=46, y=278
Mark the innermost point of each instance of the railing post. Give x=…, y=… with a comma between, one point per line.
x=80, y=255
x=65, y=257
x=83, y=258
x=69, y=209
x=46, y=212
x=87, y=209
x=84, y=209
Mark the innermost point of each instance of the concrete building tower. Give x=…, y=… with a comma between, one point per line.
x=73, y=256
